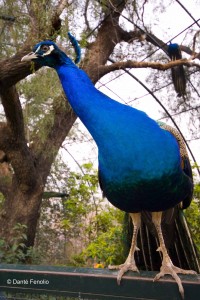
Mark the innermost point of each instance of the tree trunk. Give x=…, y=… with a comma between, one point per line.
x=21, y=208
x=23, y=189
x=23, y=185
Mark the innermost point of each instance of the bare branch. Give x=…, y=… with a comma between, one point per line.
x=109, y=34
x=85, y=15
x=194, y=44
x=55, y=19
x=153, y=65
x=61, y=6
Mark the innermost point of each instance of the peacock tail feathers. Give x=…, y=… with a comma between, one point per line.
x=177, y=236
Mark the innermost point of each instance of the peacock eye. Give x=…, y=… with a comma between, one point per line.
x=44, y=48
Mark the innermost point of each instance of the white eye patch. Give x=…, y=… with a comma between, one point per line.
x=51, y=48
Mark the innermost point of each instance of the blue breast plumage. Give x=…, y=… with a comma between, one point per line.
x=139, y=163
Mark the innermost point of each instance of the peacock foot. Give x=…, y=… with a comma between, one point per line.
x=169, y=269
x=127, y=266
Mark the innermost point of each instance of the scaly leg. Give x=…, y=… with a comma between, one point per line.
x=167, y=265
x=130, y=261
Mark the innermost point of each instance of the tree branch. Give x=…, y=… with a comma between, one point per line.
x=12, y=70
x=61, y=6
x=13, y=142
x=13, y=112
x=55, y=19
x=109, y=34
x=153, y=65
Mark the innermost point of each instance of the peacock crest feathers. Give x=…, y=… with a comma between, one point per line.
x=76, y=48
x=47, y=53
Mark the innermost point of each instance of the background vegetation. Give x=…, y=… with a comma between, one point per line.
x=51, y=213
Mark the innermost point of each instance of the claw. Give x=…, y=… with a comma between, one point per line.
x=167, y=267
x=170, y=269
x=123, y=269
x=129, y=264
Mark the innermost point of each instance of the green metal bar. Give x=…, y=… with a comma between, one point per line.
x=87, y=283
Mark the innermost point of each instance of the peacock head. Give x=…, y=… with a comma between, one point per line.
x=47, y=53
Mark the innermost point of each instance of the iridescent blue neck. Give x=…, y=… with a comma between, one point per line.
x=90, y=105
x=121, y=132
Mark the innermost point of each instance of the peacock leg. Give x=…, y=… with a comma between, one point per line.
x=129, y=264
x=167, y=265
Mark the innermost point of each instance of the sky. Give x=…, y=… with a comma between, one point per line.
x=165, y=25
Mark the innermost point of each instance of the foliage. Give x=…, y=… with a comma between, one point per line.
x=193, y=213
x=2, y=199
x=81, y=228
x=193, y=217
x=39, y=103
x=16, y=251
x=63, y=222
x=106, y=248
x=197, y=191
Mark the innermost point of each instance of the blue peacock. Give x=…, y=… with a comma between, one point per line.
x=178, y=72
x=143, y=165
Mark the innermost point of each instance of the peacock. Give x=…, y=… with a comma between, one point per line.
x=178, y=72
x=140, y=165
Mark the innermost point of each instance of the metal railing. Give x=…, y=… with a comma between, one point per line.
x=88, y=283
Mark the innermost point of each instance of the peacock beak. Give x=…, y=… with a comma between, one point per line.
x=30, y=56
